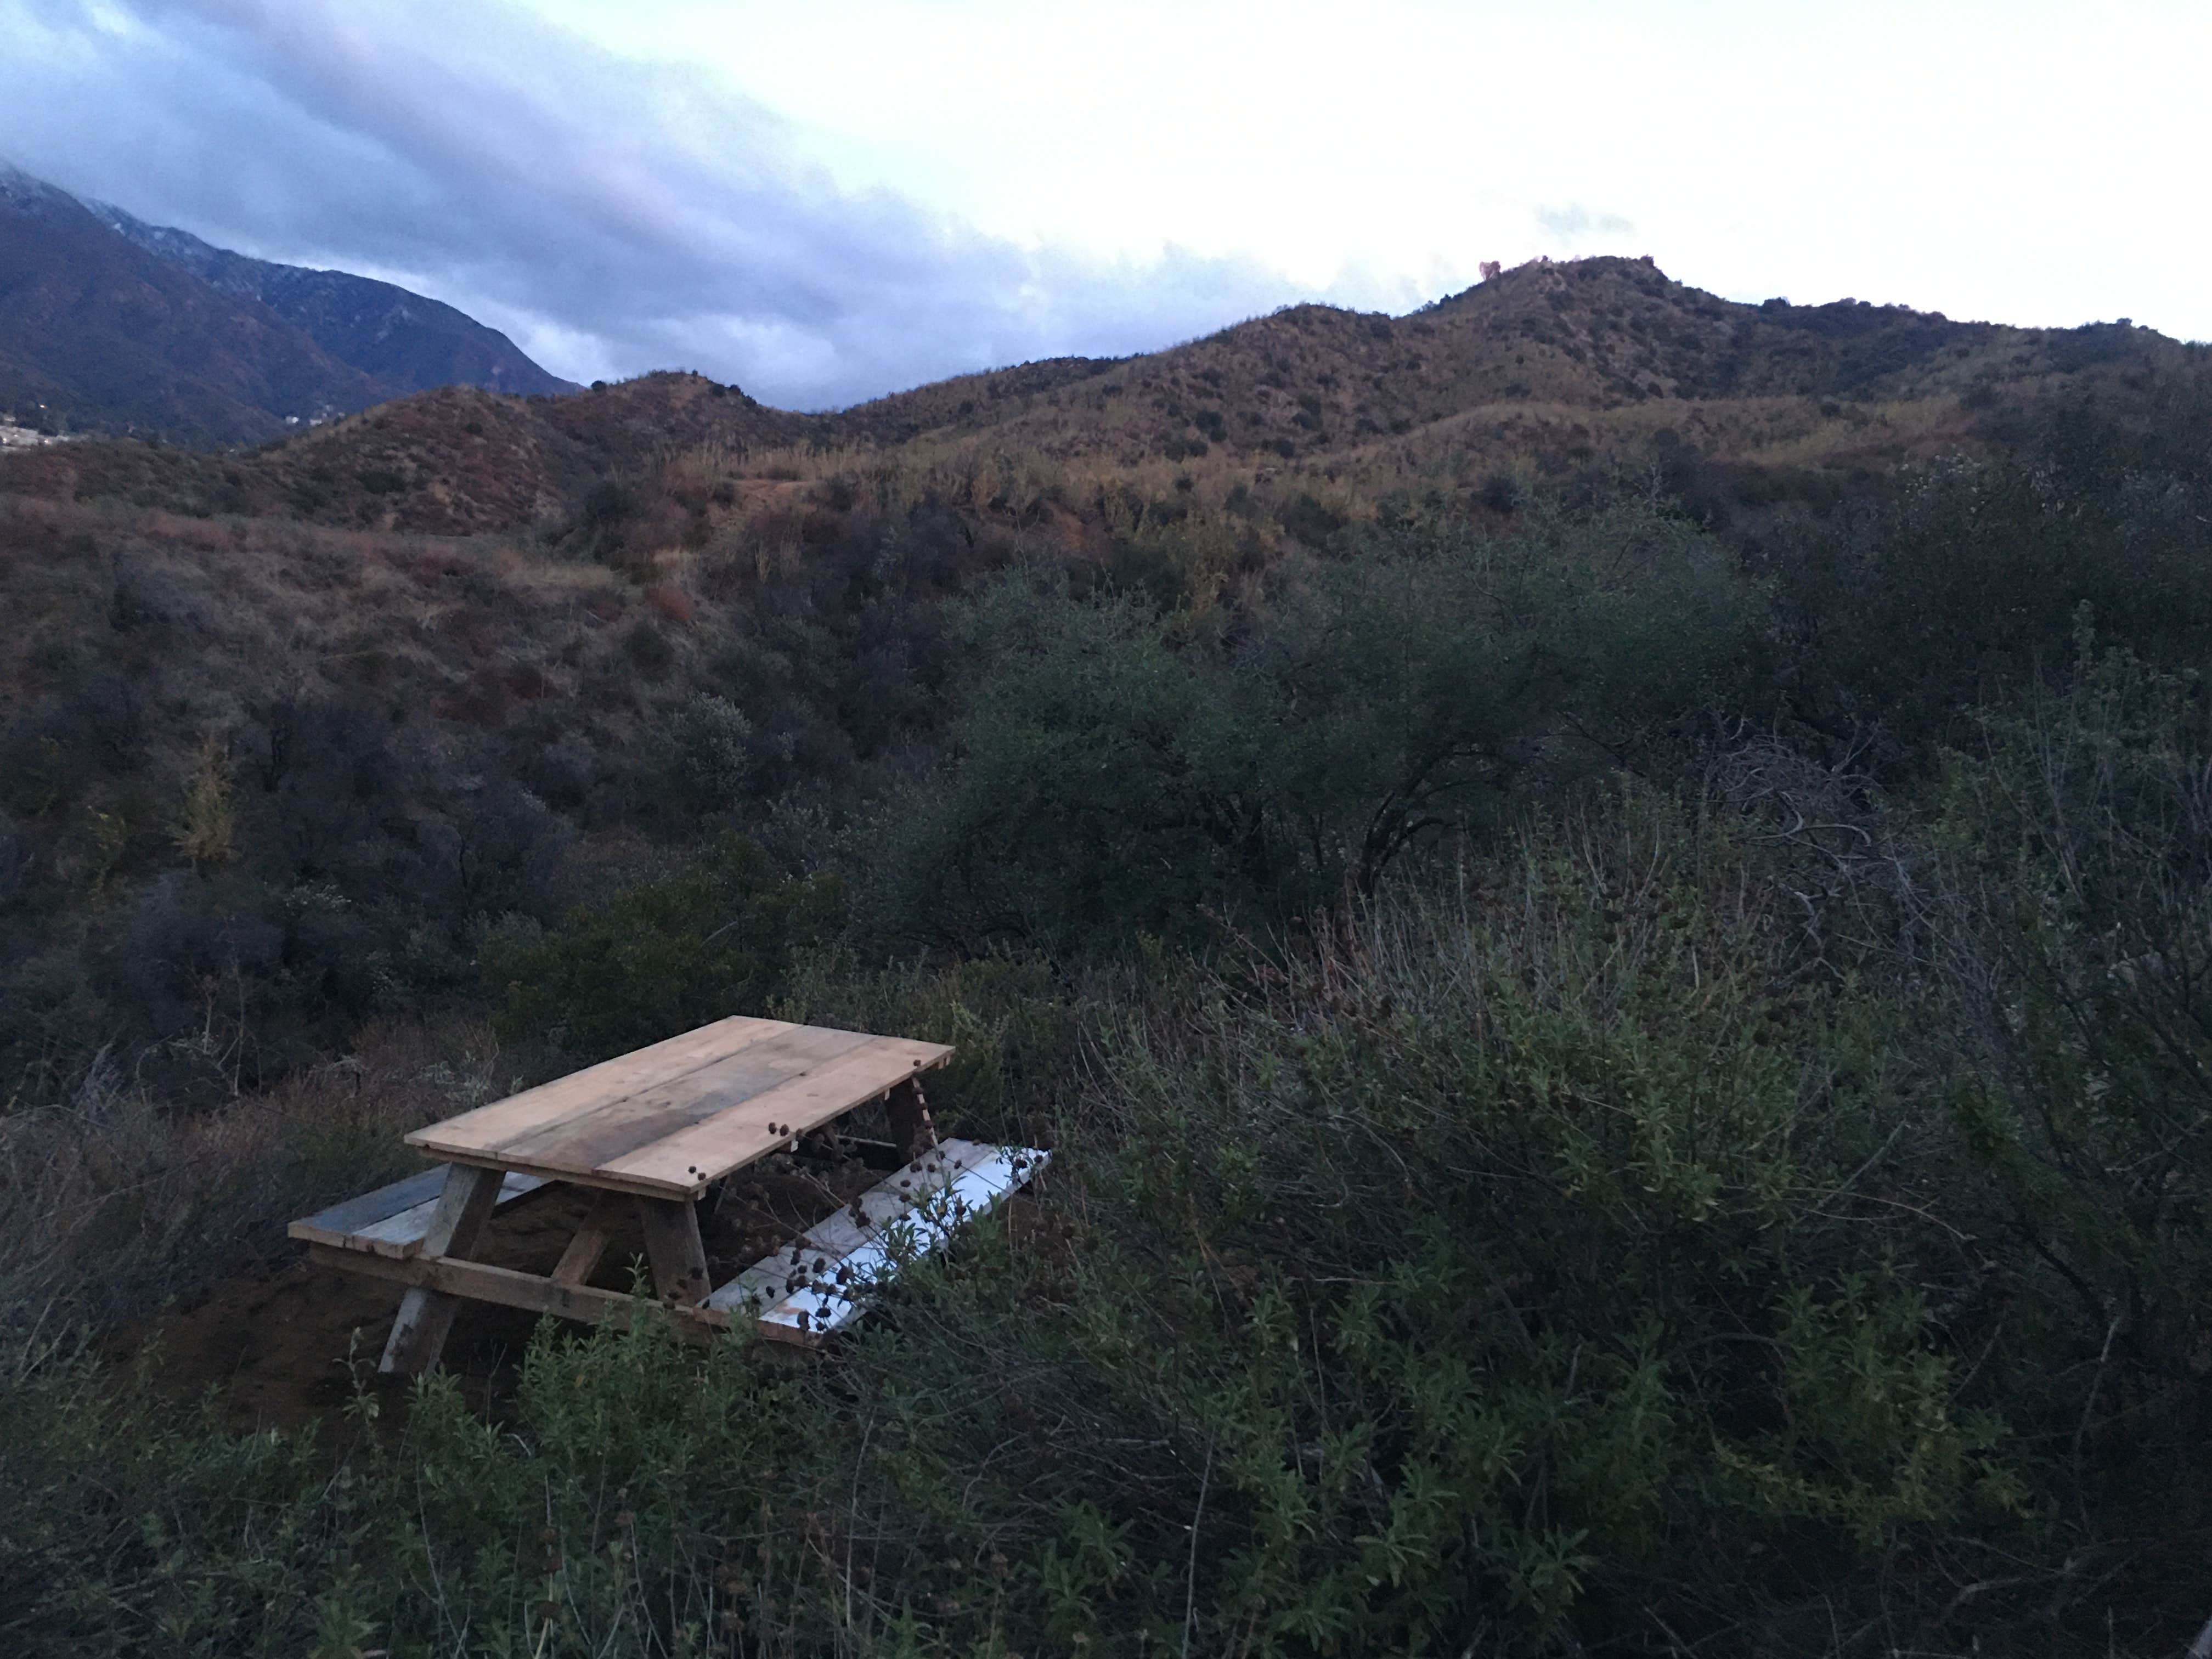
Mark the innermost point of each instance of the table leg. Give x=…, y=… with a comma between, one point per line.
x=590, y=1243
x=912, y=1131
x=418, y=1333
x=673, y=1247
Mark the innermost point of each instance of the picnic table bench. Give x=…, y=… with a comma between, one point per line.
x=653, y=1131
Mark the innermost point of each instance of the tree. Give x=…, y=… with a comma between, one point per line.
x=1110, y=781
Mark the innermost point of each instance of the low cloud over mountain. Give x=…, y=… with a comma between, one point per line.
x=611, y=217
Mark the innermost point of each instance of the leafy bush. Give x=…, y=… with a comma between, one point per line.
x=2077, y=930
x=1963, y=593
x=1453, y=1279
x=1500, y=1286
x=712, y=937
x=711, y=742
x=1111, y=779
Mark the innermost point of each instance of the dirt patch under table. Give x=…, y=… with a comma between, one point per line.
x=285, y=1346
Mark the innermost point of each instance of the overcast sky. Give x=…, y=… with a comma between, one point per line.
x=822, y=200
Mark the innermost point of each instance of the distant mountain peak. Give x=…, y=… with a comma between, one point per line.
x=387, y=330
x=108, y=321
x=20, y=191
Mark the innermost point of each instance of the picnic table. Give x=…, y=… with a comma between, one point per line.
x=653, y=1132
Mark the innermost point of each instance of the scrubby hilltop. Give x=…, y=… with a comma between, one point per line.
x=1549, y=370
x=1592, y=334
x=455, y=461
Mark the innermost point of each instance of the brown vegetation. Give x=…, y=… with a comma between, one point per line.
x=1594, y=363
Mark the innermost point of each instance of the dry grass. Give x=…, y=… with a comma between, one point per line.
x=1538, y=348
x=221, y=617
x=111, y=1200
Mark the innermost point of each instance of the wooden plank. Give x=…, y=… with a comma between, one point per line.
x=673, y=1248
x=590, y=1243
x=418, y=1331
x=648, y=1181
x=406, y=1233
x=736, y=1136
x=480, y=1281
x=369, y=1208
x=638, y=1188
x=474, y=1133
x=585, y=1140
x=401, y=1235
x=821, y=1281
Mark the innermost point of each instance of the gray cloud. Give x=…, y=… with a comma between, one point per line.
x=613, y=217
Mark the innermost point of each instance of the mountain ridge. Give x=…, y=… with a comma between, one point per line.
x=387, y=330
x=1551, y=370
x=1598, y=334
x=100, y=333
x=109, y=324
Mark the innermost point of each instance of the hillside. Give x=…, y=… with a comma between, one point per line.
x=1549, y=373
x=96, y=333
x=531, y=589
x=455, y=461
x=1603, y=899
x=409, y=343
x=1595, y=336
x=107, y=324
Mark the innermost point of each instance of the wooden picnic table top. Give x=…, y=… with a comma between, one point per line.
x=665, y=1120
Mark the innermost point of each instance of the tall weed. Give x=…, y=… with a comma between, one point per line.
x=2077, y=930
x=112, y=1199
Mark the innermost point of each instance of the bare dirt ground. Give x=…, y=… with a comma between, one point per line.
x=281, y=1348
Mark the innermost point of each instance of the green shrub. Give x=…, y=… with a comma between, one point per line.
x=710, y=742
x=1112, y=778
x=1502, y=1286
x=2076, y=926
x=712, y=937
x=1962, y=592
x=186, y=1540
x=1453, y=1277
